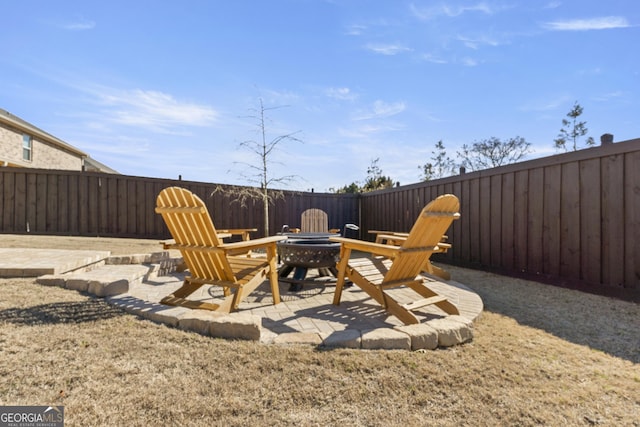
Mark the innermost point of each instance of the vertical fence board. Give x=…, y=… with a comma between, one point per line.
x=570, y=221
x=142, y=207
x=121, y=209
x=521, y=218
x=613, y=220
x=149, y=213
x=551, y=221
x=496, y=220
x=63, y=205
x=160, y=229
x=485, y=220
x=535, y=220
x=20, y=215
x=9, y=202
x=52, y=204
x=72, y=204
x=474, y=225
x=508, y=222
x=465, y=232
x=94, y=204
x=99, y=200
x=590, y=221
x=83, y=206
x=632, y=221
x=111, y=187
x=456, y=230
x=32, y=202
x=132, y=208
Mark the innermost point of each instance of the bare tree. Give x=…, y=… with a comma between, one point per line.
x=440, y=166
x=375, y=179
x=493, y=152
x=572, y=129
x=256, y=172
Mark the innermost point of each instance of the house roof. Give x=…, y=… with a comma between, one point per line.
x=92, y=164
x=15, y=121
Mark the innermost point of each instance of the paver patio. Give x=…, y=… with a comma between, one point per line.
x=137, y=283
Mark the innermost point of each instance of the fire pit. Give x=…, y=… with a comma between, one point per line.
x=302, y=251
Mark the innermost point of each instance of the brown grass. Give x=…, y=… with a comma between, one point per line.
x=541, y=355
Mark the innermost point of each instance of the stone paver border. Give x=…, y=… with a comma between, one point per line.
x=116, y=280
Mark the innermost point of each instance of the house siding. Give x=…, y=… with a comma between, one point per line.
x=44, y=155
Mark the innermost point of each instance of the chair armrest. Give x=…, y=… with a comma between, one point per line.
x=393, y=233
x=243, y=232
x=364, y=246
x=251, y=244
x=166, y=244
x=237, y=230
x=171, y=243
x=390, y=237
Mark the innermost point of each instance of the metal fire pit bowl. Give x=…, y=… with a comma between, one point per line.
x=303, y=251
x=309, y=253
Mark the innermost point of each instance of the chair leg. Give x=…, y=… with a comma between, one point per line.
x=400, y=312
x=342, y=273
x=273, y=275
x=178, y=298
x=385, y=300
x=427, y=292
x=185, y=290
x=431, y=269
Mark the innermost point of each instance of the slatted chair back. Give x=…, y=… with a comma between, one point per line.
x=314, y=221
x=195, y=235
x=422, y=241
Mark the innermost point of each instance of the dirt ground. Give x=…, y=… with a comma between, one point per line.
x=116, y=246
x=541, y=356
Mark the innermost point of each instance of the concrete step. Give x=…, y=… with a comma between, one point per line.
x=29, y=262
x=116, y=275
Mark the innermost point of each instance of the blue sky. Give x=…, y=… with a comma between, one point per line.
x=161, y=89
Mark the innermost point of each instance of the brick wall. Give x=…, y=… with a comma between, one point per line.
x=44, y=154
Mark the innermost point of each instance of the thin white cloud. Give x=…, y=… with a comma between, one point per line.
x=366, y=131
x=341, y=93
x=355, y=29
x=387, y=49
x=601, y=23
x=553, y=5
x=434, y=59
x=154, y=110
x=81, y=25
x=475, y=43
x=381, y=109
x=277, y=97
x=451, y=11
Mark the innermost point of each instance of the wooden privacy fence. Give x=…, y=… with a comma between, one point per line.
x=572, y=218
x=41, y=201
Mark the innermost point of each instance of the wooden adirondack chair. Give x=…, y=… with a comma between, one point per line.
x=400, y=266
x=396, y=238
x=314, y=220
x=211, y=261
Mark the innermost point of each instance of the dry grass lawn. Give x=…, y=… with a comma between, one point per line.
x=541, y=356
